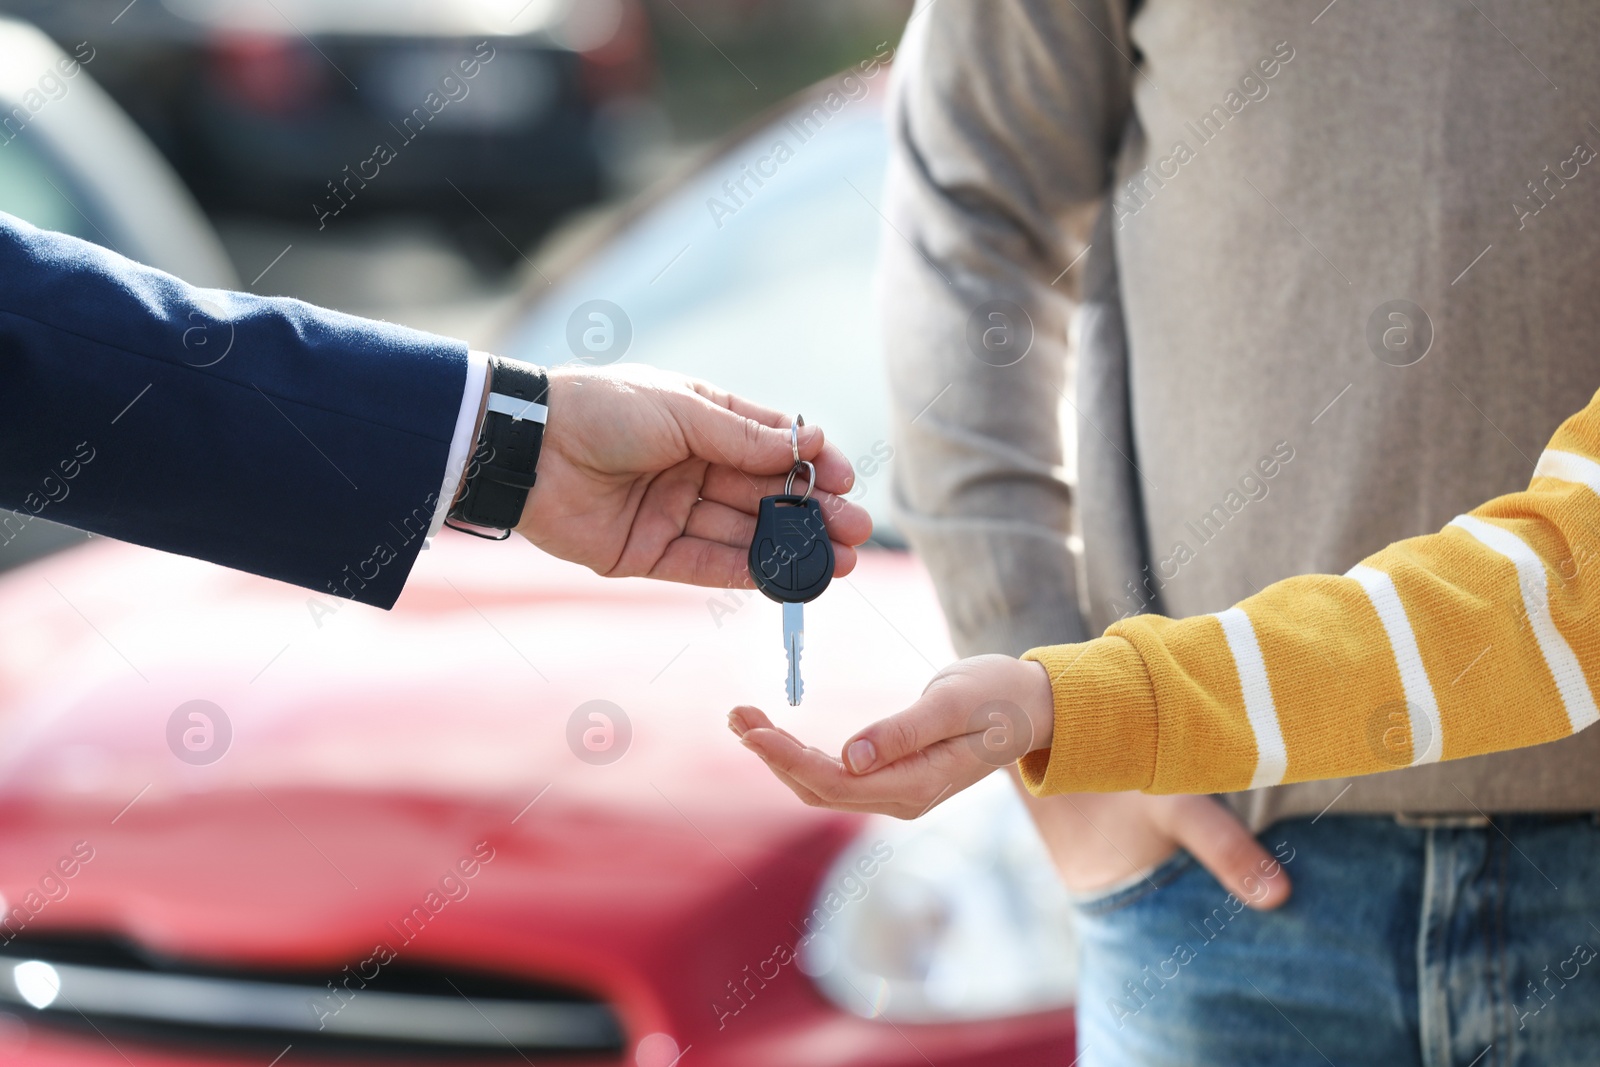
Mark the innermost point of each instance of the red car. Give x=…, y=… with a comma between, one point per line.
x=241, y=823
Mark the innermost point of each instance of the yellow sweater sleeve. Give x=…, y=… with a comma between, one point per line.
x=1478, y=638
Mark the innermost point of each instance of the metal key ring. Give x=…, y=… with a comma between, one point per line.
x=794, y=437
x=811, y=479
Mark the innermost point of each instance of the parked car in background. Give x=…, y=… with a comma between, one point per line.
x=321, y=112
x=70, y=160
x=243, y=824
x=754, y=271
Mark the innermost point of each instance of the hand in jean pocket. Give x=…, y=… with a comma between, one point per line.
x=1099, y=839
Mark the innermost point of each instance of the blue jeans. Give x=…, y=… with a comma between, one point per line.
x=1427, y=942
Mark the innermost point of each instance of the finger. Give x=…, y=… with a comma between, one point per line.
x=906, y=788
x=847, y=523
x=697, y=561
x=742, y=720
x=832, y=466
x=806, y=769
x=933, y=718
x=745, y=718
x=811, y=799
x=740, y=405
x=712, y=521
x=1223, y=845
x=830, y=482
x=724, y=428
x=806, y=795
x=834, y=471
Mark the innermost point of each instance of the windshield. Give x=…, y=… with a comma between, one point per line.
x=33, y=189
x=756, y=274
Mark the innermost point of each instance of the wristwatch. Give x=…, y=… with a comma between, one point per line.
x=505, y=464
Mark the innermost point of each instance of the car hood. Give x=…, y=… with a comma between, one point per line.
x=465, y=689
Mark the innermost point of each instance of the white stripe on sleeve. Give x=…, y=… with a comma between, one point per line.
x=1272, y=758
x=1568, y=467
x=1558, y=657
x=1426, y=739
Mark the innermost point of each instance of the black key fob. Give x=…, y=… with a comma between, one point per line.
x=791, y=558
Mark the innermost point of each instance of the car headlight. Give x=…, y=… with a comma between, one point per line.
x=956, y=915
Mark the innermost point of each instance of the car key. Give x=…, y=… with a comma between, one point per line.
x=791, y=560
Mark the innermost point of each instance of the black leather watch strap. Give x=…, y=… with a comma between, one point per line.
x=505, y=464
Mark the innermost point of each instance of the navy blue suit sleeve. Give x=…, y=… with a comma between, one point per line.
x=262, y=434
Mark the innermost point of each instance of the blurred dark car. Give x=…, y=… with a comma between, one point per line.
x=322, y=111
x=71, y=161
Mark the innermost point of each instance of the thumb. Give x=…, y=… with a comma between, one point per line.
x=932, y=719
x=971, y=698
x=721, y=435
x=1216, y=838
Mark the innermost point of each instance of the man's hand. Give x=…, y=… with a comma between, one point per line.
x=976, y=716
x=1098, y=839
x=648, y=473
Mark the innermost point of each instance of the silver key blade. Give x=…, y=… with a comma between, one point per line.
x=794, y=639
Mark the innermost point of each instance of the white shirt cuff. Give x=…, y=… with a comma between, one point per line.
x=465, y=440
